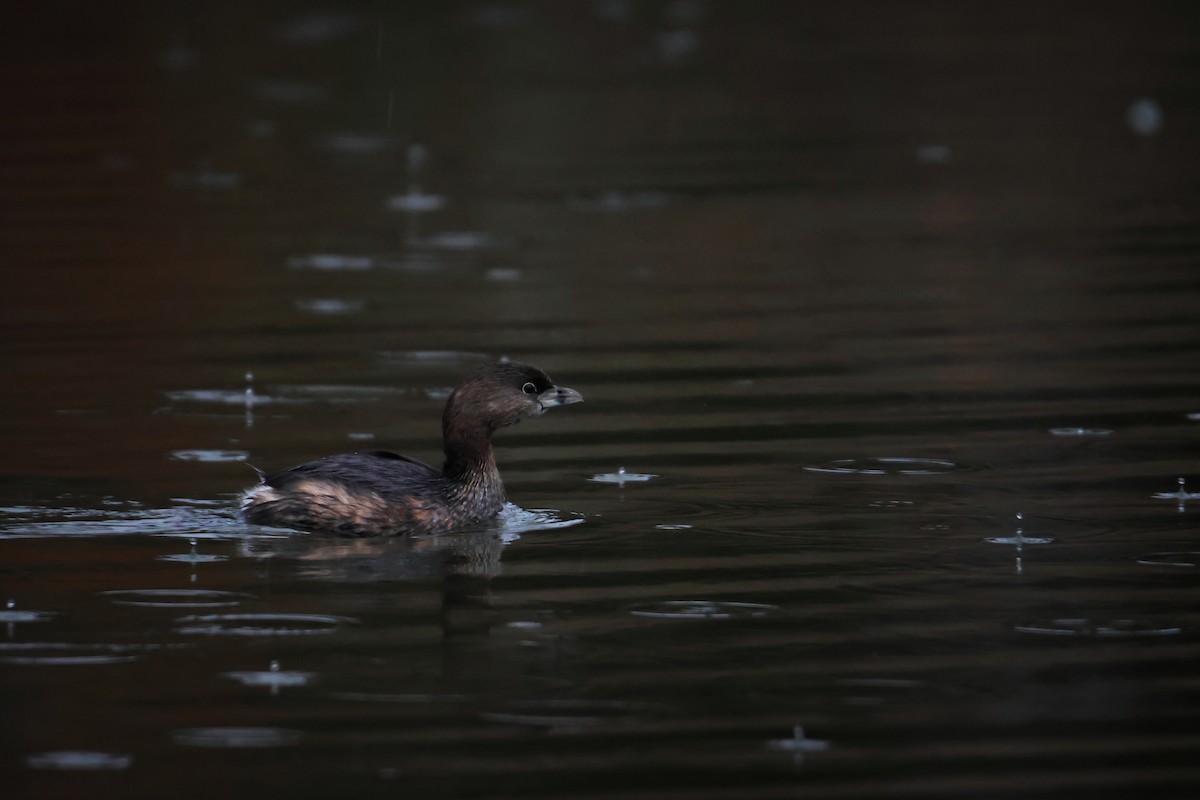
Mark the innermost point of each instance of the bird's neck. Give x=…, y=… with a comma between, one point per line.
x=471, y=466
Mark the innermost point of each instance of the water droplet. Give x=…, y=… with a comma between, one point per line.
x=1181, y=494
x=621, y=477
x=799, y=743
x=273, y=678
x=1019, y=538
x=12, y=615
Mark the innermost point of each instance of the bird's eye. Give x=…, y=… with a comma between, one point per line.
x=529, y=388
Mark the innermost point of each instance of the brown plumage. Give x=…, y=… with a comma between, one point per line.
x=384, y=494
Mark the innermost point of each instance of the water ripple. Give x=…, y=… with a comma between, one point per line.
x=273, y=678
x=209, y=456
x=71, y=653
x=1102, y=629
x=702, y=609
x=261, y=624
x=570, y=713
x=176, y=598
x=236, y=737
x=1178, y=558
x=889, y=465
x=72, y=760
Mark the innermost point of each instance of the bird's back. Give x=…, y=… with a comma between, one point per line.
x=353, y=494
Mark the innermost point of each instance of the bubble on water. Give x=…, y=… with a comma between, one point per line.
x=1144, y=116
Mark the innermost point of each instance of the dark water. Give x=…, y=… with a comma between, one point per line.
x=848, y=288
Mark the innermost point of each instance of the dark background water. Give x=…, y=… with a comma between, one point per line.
x=855, y=283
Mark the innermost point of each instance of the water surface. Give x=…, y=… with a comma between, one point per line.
x=846, y=289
